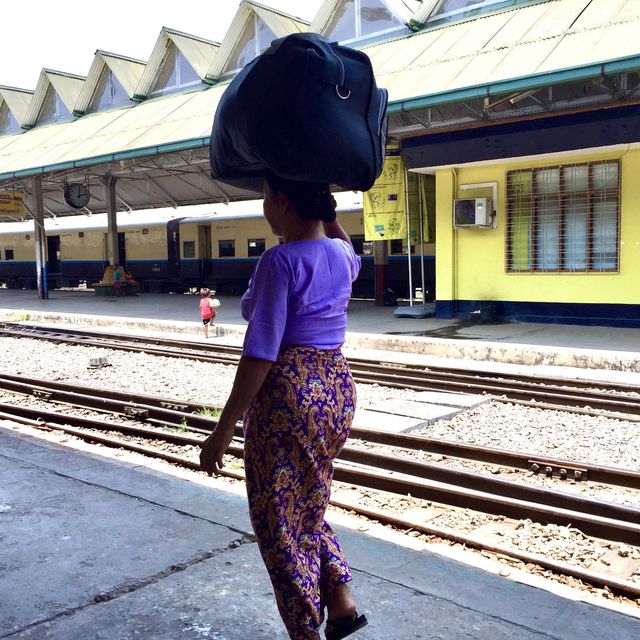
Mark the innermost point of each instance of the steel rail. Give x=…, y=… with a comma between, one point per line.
x=161, y=411
x=492, y=496
x=406, y=377
x=616, y=585
x=386, y=366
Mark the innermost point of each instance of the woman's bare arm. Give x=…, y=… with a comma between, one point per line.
x=250, y=376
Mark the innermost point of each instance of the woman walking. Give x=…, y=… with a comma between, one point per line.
x=294, y=387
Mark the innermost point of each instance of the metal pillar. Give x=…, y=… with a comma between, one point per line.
x=40, y=238
x=380, y=261
x=112, y=222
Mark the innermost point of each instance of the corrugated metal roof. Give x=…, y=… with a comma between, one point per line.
x=66, y=85
x=280, y=23
x=126, y=70
x=17, y=100
x=405, y=10
x=521, y=46
x=199, y=53
x=515, y=43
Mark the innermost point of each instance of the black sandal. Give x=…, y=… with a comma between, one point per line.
x=343, y=627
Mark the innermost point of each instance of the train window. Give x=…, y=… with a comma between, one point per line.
x=188, y=249
x=396, y=246
x=255, y=247
x=8, y=254
x=226, y=248
x=400, y=246
x=358, y=242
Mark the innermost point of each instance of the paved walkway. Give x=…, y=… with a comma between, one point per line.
x=108, y=546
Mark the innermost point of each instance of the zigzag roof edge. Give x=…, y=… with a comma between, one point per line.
x=246, y=10
x=49, y=78
x=115, y=63
x=17, y=101
x=166, y=37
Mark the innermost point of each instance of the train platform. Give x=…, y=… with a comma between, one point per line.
x=559, y=350
x=101, y=544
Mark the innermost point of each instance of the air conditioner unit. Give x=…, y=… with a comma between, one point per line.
x=473, y=212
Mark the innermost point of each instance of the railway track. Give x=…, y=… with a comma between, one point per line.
x=201, y=417
x=381, y=472
x=544, y=392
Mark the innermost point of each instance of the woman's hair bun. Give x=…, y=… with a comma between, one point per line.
x=313, y=200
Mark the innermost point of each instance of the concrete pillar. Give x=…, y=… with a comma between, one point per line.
x=380, y=261
x=37, y=206
x=112, y=222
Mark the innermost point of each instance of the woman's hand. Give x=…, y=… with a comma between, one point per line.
x=215, y=446
x=250, y=375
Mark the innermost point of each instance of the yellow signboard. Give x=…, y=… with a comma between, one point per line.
x=384, y=206
x=12, y=204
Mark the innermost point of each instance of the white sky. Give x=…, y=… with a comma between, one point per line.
x=64, y=35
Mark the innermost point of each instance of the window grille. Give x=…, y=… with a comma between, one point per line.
x=564, y=218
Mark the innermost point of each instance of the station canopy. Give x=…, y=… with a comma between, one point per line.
x=447, y=64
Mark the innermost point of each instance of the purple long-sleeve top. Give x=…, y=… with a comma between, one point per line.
x=298, y=295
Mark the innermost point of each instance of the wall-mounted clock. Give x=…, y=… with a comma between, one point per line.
x=77, y=195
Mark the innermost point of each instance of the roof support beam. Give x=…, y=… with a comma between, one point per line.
x=112, y=221
x=37, y=211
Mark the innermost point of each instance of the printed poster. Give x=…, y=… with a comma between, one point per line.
x=384, y=205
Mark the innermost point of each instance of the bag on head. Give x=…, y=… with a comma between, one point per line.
x=305, y=109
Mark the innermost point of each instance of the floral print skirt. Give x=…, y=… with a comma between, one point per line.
x=294, y=428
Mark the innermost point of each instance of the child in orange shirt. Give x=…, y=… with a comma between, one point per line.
x=207, y=313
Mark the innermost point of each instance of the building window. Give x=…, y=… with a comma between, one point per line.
x=188, y=249
x=564, y=218
x=255, y=247
x=8, y=254
x=226, y=248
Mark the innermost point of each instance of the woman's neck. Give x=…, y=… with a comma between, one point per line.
x=305, y=230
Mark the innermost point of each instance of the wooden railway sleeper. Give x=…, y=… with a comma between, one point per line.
x=137, y=413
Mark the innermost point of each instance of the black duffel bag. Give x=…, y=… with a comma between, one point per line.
x=305, y=109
